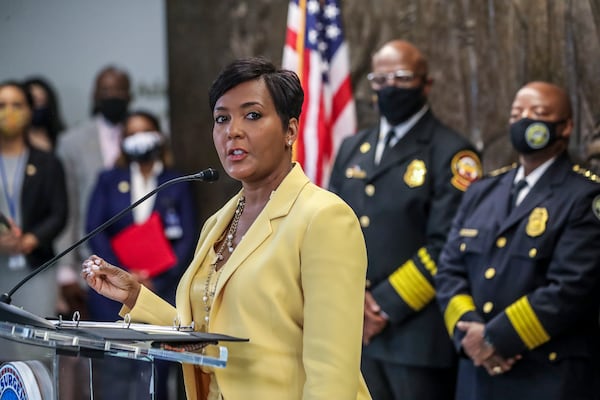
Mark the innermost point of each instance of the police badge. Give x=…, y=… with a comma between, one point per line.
x=537, y=222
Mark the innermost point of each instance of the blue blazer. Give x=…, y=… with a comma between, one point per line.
x=111, y=194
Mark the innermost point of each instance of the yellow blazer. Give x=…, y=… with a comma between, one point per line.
x=295, y=287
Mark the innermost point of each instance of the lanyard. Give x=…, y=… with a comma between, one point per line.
x=9, y=189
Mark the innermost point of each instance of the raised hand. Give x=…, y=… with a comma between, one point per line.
x=110, y=281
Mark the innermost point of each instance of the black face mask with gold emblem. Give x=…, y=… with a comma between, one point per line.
x=529, y=135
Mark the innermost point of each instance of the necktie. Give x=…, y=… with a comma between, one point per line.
x=514, y=193
x=386, y=142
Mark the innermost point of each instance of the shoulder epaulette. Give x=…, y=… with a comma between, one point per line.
x=501, y=170
x=586, y=173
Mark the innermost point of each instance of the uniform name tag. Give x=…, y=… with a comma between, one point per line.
x=467, y=232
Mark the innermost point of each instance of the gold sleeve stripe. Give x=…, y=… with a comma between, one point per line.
x=427, y=261
x=458, y=306
x=412, y=286
x=526, y=323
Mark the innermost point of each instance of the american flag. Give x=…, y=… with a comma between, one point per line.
x=316, y=50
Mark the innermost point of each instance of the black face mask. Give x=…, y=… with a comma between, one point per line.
x=399, y=104
x=529, y=135
x=40, y=118
x=114, y=109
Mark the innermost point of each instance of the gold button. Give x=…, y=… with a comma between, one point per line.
x=370, y=190
x=31, y=170
x=364, y=221
x=532, y=252
x=368, y=284
x=488, y=307
x=349, y=173
x=365, y=147
x=490, y=273
x=463, y=246
x=501, y=242
x=123, y=186
x=552, y=356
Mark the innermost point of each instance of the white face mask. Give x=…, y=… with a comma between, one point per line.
x=142, y=146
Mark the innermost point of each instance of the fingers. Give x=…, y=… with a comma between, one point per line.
x=91, y=267
x=370, y=304
x=463, y=325
x=497, y=365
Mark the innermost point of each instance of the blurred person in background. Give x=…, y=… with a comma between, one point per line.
x=144, y=164
x=46, y=121
x=33, y=198
x=85, y=150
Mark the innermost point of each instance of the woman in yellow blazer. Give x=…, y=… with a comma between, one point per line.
x=283, y=263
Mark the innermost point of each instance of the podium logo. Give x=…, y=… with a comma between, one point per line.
x=17, y=382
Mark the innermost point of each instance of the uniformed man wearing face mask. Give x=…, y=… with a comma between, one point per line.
x=518, y=278
x=404, y=179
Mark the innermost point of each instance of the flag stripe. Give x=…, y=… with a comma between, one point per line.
x=316, y=50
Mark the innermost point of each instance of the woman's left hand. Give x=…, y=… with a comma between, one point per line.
x=110, y=281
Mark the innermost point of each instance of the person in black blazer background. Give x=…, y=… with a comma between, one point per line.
x=405, y=187
x=33, y=198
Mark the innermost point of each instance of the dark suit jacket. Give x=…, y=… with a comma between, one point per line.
x=531, y=275
x=108, y=198
x=406, y=205
x=43, y=203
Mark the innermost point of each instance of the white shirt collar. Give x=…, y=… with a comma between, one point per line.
x=140, y=187
x=399, y=131
x=534, y=175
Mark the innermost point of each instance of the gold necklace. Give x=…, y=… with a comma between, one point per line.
x=209, y=292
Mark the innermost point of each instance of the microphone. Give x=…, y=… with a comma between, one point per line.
x=10, y=313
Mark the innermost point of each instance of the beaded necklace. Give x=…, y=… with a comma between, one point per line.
x=209, y=292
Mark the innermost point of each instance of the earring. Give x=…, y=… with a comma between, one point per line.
x=290, y=143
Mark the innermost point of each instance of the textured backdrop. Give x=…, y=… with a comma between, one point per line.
x=480, y=52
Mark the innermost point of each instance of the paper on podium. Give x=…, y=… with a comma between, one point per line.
x=133, y=332
x=144, y=248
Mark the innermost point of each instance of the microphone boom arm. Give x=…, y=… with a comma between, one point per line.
x=207, y=175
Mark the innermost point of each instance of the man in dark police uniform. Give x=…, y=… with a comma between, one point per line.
x=519, y=276
x=404, y=179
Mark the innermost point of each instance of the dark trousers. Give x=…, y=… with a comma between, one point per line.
x=568, y=379
x=391, y=381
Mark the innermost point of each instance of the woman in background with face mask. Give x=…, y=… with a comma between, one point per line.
x=34, y=202
x=169, y=217
x=145, y=163
x=46, y=120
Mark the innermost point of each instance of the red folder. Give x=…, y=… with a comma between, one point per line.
x=144, y=248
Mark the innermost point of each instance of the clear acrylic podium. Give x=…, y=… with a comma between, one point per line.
x=38, y=352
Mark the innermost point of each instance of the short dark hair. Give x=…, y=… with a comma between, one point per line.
x=18, y=85
x=283, y=85
x=153, y=119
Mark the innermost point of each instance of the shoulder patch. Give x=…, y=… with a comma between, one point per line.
x=502, y=170
x=466, y=169
x=596, y=206
x=586, y=173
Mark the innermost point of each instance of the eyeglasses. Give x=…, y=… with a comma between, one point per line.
x=400, y=78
